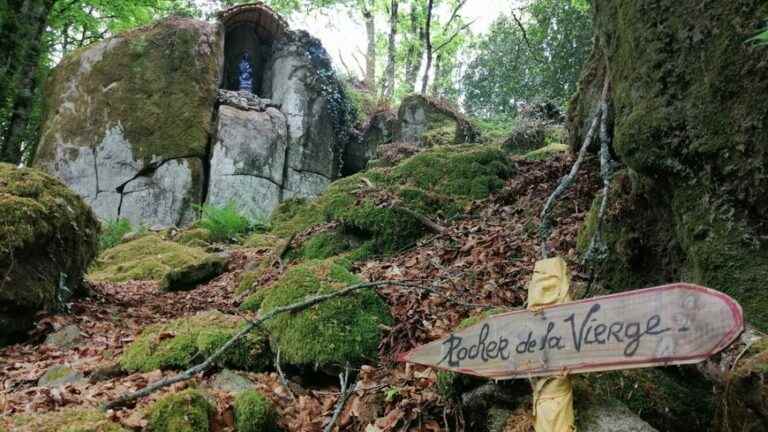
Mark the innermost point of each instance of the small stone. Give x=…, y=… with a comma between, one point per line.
x=231, y=382
x=65, y=338
x=59, y=375
x=611, y=416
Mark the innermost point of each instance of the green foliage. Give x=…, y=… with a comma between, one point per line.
x=336, y=332
x=506, y=71
x=760, y=39
x=225, y=223
x=185, y=342
x=186, y=411
x=254, y=412
x=146, y=258
x=112, y=233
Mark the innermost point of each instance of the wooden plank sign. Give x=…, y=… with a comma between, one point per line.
x=672, y=324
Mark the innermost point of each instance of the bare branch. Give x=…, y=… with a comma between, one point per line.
x=252, y=325
x=346, y=392
x=520, y=25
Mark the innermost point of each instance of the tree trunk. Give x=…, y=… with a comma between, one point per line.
x=428, y=40
x=389, y=86
x=415, y=52
x=435, y=92
x=31, y=24
x=370, y=56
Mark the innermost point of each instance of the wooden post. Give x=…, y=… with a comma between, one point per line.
x=552, y=396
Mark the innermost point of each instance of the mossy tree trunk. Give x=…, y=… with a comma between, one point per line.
x=21, y=45
x=692, y=132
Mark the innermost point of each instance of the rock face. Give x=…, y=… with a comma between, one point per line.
x=688, y=126
x=419, y=114
x=129, y=122
x=128, y=119
x=248, y=163
x=300, y=78
x=48, y=236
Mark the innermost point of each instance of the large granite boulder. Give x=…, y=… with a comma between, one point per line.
x=300, y=78
x=428, y=122
x=127, y=121
x=248, y=162
x=48, y=236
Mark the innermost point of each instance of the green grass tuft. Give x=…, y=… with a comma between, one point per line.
x=112, y=233
x=226, y=223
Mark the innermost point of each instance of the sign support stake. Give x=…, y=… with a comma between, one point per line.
x=552, y=396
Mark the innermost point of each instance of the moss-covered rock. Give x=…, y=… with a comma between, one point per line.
x=194, y=237
x=419, y=117
x=67, y=420
x=186, y=411
x=547, y=152
x=254, y=413
x=147, y=258
x=48, y=237
x=686, y=120
x=437, y=183
x=336, y=332
x=191, y=275
x=184, y=342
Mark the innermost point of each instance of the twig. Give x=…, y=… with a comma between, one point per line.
x=252, y=325
x=520, y=25
x=545, y=229
x=283, y=380
x=427, y=222
x=346, y=392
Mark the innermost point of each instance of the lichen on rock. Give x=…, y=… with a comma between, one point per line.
x=48, y=237
x=184, y=342
x=331, y=334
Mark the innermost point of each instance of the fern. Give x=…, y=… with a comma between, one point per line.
x=226, y=223
x=112, y=232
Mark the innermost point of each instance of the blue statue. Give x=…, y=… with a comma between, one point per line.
x=245, y=74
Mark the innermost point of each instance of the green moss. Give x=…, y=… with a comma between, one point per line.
x=547, y=152
x=261, y=241
x=254, y=413
x=324, y=245
x=67, y=420
x=667, y=398
x=161, y=82
x=46, y=232
x=253, y=302
x=332, y=333
x=186, y=411
x=184, y=342
x=439, y=136
x=437, y=183
x=146, y=258
x=194, y=237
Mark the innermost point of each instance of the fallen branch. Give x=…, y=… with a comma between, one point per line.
x=428, y=223
x=345, y=393
x=252, y=325
x=283, y=379
x=565, y=183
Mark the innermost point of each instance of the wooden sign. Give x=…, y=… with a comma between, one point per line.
x=672, y=324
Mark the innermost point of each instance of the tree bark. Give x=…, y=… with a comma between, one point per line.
x=389, y=86
x=35, y=20
x=415, y=52
x=370, y=56
x=428, y=44
x=438, y=71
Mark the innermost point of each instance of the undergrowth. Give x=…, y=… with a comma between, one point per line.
x=227, y=223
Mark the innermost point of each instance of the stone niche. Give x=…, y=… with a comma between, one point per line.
x=148, y=125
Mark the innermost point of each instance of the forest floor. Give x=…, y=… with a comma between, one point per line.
x=487, y=256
